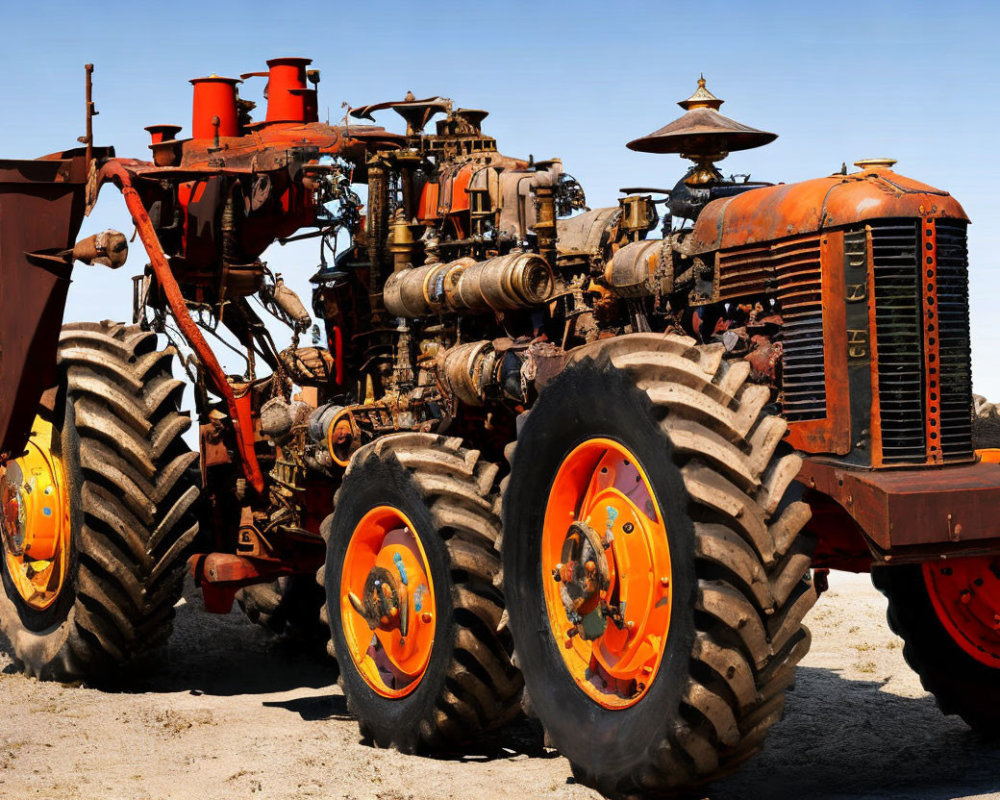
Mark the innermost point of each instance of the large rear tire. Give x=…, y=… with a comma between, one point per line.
x=672, y=454
x=127, y=494
x=948, y=615
x=415, y=521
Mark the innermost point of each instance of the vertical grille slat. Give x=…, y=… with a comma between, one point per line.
x=899, y=336
x=899, y=324
x=792, y=269
x=800, y=292
x=956, y=356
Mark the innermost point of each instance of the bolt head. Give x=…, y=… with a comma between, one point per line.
x=426, y=617
x=664, y=582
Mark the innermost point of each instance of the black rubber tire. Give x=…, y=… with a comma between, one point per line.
x=741, y=581
x=132, y=509
x=960, y=684
x=289, y=606
x=470, y=685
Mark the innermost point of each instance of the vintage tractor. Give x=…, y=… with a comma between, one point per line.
x=537, y=459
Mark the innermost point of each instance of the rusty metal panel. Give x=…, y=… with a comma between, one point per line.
x=953, y=506
x=777, y=212
x=832, y=432
x=41, y=209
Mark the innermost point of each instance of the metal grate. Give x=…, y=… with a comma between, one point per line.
x=899, y=334
x=953, y=330
x=793, y=269
x=800, y=293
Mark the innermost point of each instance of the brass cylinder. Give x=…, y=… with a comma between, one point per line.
x=545, y=222
x=518, y=280
x=641, y=269
x=423, y=291
x=466, y=371
x=401, y=243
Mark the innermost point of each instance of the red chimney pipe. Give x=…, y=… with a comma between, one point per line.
x=287, y=95
x=163, y=133
x=214, y=97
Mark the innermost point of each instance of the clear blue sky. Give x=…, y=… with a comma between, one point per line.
x=918, y=81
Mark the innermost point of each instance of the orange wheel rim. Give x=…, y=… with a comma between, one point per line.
x=965, y=593
x=606, y=572
x=387, y=604
x=35, y=519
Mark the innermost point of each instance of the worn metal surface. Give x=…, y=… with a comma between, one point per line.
x=945, y=509
x=113, y=170
x=776, y=212
x=41, y=209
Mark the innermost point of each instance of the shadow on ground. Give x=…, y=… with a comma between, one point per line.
x=841, y=738
x=846, y=738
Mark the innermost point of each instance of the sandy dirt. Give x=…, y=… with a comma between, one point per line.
x=228, y=712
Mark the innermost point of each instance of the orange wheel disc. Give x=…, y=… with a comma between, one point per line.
x=35, y=519
x=965, y=593
x=387, y=602
x=606, y=572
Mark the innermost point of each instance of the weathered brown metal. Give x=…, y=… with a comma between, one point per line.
x=946, y=510
x=778, y=212
x=41, y=209
x=115, y=170
x=833, y=433
x=702, y=130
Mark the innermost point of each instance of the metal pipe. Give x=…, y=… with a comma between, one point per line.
x=175, y=299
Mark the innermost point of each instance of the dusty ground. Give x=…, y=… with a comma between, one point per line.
x=226, y=712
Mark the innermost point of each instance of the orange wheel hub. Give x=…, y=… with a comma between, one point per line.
x=606, y=572
x=387, y=602
x=965, y=593
x=35, y=519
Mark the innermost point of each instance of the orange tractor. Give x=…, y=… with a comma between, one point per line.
x=536, y=457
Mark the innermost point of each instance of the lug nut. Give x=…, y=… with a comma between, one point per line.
x=591, y=566
x=664, y=582
x=426, y=617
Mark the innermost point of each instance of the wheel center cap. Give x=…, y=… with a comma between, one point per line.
x=585, y=576
x=385, y=604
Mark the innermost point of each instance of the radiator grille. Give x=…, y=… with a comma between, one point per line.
x=899, y=321
x=803, y=376
x=793, y=270
x=953, y=328
x=899, y=333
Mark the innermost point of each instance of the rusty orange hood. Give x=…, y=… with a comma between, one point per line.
x=791, y=209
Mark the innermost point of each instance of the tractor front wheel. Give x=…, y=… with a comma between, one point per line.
x=948, y=615
x=410, y=595
x=654, y=570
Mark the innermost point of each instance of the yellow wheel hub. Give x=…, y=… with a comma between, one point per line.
x=606, y=572
x=35, y=519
